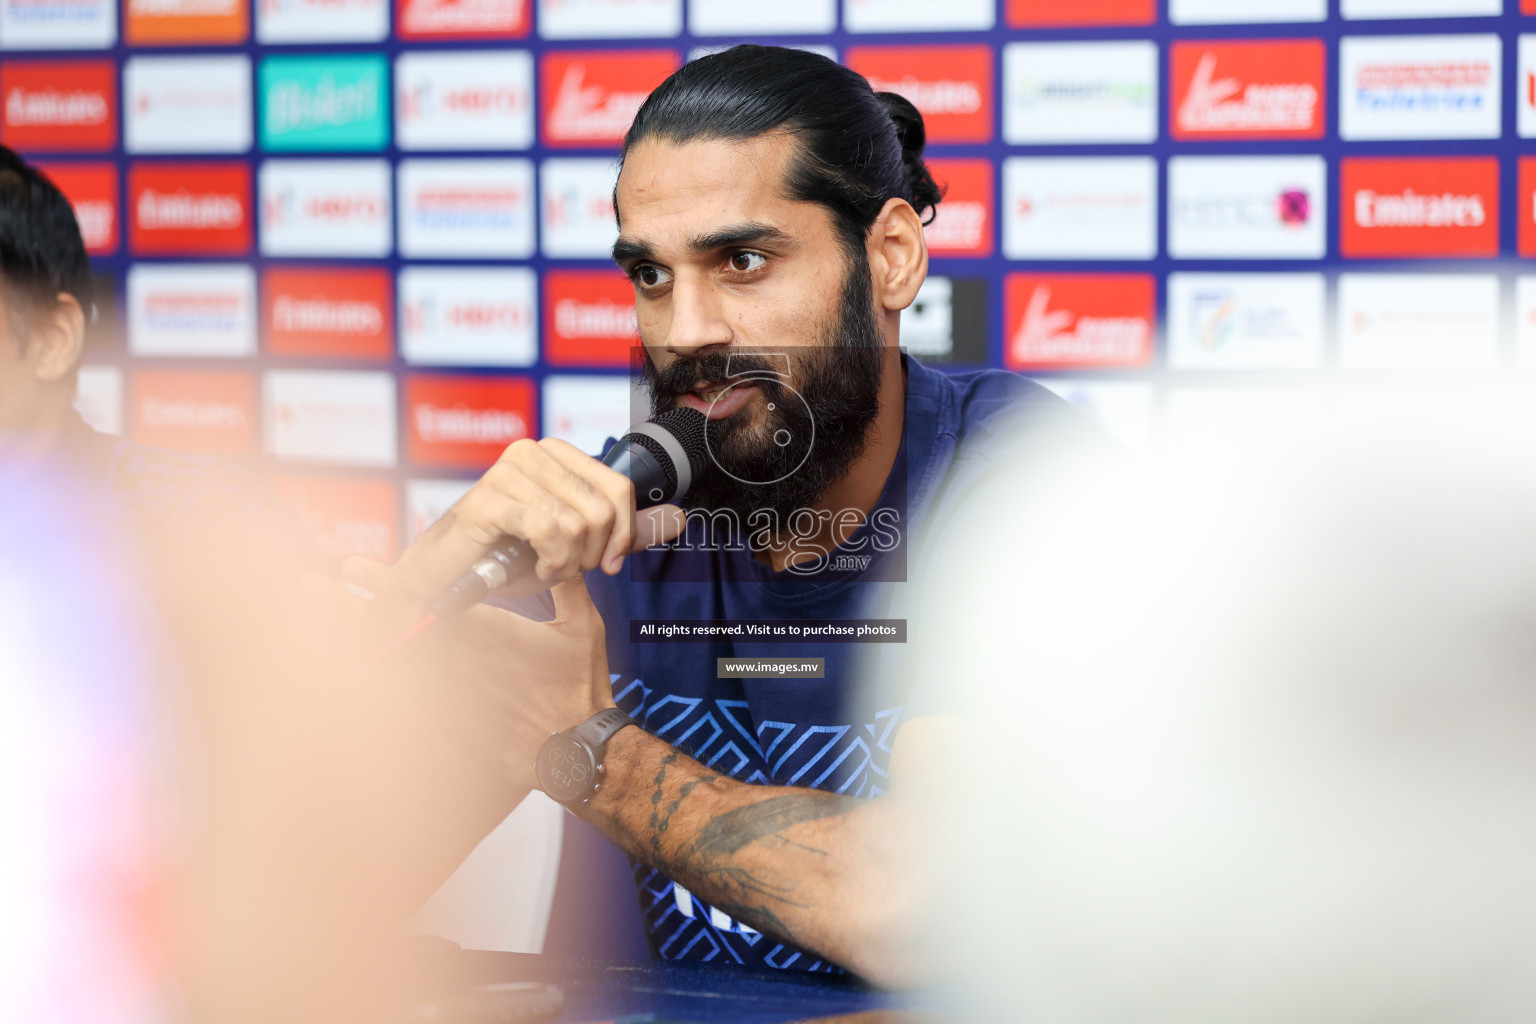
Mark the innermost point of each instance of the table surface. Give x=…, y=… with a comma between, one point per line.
x=694, y=993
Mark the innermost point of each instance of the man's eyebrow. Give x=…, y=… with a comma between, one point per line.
x=737, y=234
x=627, y=250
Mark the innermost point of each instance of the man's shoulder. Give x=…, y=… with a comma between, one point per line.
x=990, y=410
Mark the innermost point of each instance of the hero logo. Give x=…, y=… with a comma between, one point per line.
x=953, y=92
x=464, y=101
x=591, y=98
x=330, y=416
x=189, y=208
x=468, y=316
x=1276, y=91
x=576, y=207
x=462, y=19
x=589, y=318
x=466, y=421
x=59, y=105
x=1420, y=206
x=1060, y=320
x=325, y=208
x=1525, y=88
x=962, y=223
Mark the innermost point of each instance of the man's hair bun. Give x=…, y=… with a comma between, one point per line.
x=923, y=191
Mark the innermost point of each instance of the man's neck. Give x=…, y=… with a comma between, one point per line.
x=843, y=507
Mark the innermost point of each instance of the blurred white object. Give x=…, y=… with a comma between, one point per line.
x=1254, y=740
x=500, y=897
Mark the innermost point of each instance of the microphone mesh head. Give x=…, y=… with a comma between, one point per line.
x=687, y=426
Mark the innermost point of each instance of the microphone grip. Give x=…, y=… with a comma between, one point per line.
x=515, y=557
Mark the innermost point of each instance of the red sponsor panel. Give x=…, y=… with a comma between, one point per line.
x=347, y=516
x=1419, y=206
x=963, y=223
x=466, y=422
x=589, y=318
x=590, y=98
x=1526, y=236
x=1270, y=89
x=58, y=105
x=321, y=312
x=462, y=19
x=1056, y=321
x=191, y=208
x=206, y=412
x=92, y=190
x=1528, y=6
x=951, y=86
x=1043, y=13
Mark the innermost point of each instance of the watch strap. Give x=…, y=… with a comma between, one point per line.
x=599, y=729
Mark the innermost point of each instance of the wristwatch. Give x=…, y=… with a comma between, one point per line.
x=570, y=764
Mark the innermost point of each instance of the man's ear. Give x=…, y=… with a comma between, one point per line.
x=56, y=339
x=898, y=255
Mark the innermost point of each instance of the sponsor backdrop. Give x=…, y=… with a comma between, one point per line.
x=365, y=239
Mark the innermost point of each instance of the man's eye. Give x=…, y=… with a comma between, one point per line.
x=745, y=261
x=651, y=277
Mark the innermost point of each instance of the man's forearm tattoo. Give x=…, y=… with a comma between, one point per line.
x=710, y=857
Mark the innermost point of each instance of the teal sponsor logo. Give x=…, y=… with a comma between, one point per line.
x=324, y=103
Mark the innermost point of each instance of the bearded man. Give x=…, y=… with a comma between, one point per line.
x=770, y=209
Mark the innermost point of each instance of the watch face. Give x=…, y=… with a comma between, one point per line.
x=566, y=768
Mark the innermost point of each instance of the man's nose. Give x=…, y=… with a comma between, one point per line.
x=697, y=320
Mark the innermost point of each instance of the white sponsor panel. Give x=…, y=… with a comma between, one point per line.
x=187, y=104
x=321, y=21
x=783, y=17
x=1376, y=9
x=1231, y=421
x=1525, y=322
x=324, y=207
x=466, y=208
x=1125, y=409
x=464, y=99
x=1080, y=208
x=427, y=500
x=469, y=316
x=1418, y=321
x=1080, y=92
x=335, y=416
x=576, y=207
x=1241, y=207
x=57, y=24
x=928, y=324
x=918, y=15
x=609, y=19
x=1233, y=12
x=192, y=309
x=99, y=397
x=1525, y=89
x=1419, y=87
x=1246, y=321
x=586, y=411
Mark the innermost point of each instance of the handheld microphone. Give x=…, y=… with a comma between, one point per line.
x=661, y=456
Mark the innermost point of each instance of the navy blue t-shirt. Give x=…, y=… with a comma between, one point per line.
x=826, y=733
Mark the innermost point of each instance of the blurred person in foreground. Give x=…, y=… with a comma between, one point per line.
x=1269, y=749
x=770, y=209
x=172, y=690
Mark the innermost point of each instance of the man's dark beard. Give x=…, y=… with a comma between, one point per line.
x=839, y=382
